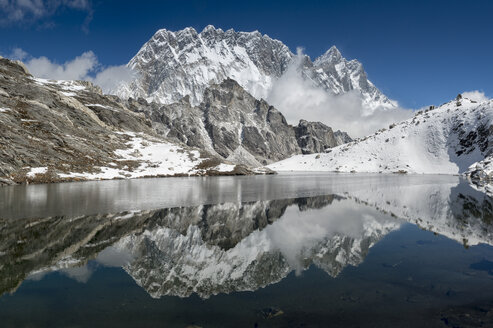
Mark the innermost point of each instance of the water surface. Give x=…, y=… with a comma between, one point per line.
x=308, y=250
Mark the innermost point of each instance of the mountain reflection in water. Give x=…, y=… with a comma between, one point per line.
x=228, y=247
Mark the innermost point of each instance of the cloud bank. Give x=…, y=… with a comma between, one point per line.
x=84, y=67
x=297, y=98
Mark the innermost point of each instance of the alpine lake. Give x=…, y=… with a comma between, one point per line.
x=286, y=250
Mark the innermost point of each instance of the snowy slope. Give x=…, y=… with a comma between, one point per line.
x=444, y=140
x=172, y=65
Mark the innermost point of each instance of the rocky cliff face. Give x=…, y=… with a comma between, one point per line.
x=68, y=130
x=231, y=123
x=314, y=137
x=172, y=65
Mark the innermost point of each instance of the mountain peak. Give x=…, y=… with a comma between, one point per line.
x=212, y=29
x=334, y=51
x=332, y=55
x=209, y=27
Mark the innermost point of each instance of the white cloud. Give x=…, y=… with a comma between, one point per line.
x=476, y=95
x=298, y=99
x=29, y=11
x=75, y=69
x=84, y=67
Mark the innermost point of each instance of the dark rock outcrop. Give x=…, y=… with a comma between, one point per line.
x=314, y=137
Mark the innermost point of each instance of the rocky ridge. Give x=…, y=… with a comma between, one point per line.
x=68, y=130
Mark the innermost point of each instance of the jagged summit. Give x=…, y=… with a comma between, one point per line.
x=210, y=28
x=172, y=65
x=338, y=75
x=331, y=55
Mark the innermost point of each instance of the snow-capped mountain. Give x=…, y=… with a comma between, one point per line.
x=338, y=75
x=445, y=140
x=172, y=65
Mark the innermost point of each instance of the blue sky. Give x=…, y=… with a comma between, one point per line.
x=416, y=52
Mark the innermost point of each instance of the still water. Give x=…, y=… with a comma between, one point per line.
x=306, y=250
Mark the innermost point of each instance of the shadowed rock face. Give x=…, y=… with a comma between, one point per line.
x=233, y=124
x=67, y=126
x=480, y=174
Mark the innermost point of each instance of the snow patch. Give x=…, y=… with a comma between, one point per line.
x=36, y=170
x=155, y=158
x=224, y=167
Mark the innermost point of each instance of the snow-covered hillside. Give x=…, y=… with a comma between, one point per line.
x=172, y=65
x=444, y=140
